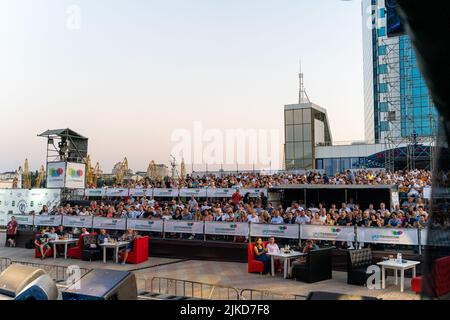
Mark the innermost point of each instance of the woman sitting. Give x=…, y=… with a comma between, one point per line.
x=129, y=237
x=261, y=255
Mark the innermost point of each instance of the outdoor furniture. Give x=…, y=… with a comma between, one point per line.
x=76, y=252
x=64, y=242
x=439, y=279
x=397, y=266
x=286, y=257
x=37, y=252
x=357, y=263
x=113, y=245
x=254, y=266
x=139, y=253
x=316, y=268
x=91, y=251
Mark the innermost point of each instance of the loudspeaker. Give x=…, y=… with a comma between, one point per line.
x=103, y=284
x=17, y=277
x=318, y=295
x=43, y=288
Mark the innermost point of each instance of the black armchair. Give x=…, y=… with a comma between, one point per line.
x=357, y=263
x=91, y=250
x=316, y=268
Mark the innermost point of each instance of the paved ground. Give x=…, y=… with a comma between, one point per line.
x=220, y=273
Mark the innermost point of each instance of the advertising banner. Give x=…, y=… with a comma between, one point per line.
x=220, y=193
x=47, y=221
x=140, y=192
x=23, y=201
x=330, y=233
x=227, y=228
x=95, y=192
x=117, y=192
x=254, y=193
x=166, y=193
x=23, y=220
x=145, y=225
x=388, y=236
x=109, y=223
x=191, y=227
x=289, y=231
x=77, y=221
x=56, y=172
x=76, y=176
x=198, y=193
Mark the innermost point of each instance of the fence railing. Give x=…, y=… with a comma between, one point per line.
x=4, y=263
x=383, y=235
x=200, y=290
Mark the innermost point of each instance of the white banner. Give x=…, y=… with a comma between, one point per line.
x=220, y=193
x=227, y=228
x=180, y=226
x=168, y=193
x=253, y=192
x=3, y=218
x=56, y=172
x=198, y=193
x=427, y=193
x=117, y=192
x=77, y=221
x=95, y=192
x=289, y=231
x=22, y=201
x=23, y=220
x=145, y=225
x=331, y=233
x=109, y=223
x=139, y=192
x=76, y=176
x=47, y=221
x=388, y=236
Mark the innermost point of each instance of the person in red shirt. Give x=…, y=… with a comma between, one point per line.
x=11, y=231
x=236, y=197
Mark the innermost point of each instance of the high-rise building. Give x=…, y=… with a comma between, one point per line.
x=397, y=105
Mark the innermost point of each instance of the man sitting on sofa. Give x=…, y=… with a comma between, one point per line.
x=310, y=246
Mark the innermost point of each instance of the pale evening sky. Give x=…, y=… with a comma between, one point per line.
x=136, y=70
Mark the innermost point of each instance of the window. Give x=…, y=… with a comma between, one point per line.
x=306, y=115
x=382, y=12
x=289, y=133
x=299, y=150
x=298, y=133
x=298, y=116
x=306, y=132
x=319, y=164
x=382, y=32
x=383, y=106
x=307, y=148
x=382, y=50
x=289, y=116
x=382, y=69
x=383, y=88
x=384, y=126
x=289, y=150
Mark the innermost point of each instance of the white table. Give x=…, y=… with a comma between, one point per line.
x=286, y=257
x=116, y=246
x=65, y=242
x=396, y=266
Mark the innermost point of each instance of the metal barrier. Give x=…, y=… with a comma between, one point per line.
x=58, y=273
x=4, y=264
x=191, y=289
x=199, y=290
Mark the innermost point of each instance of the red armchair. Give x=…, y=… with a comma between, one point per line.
x=75, y=252
x=254, y=266
x=440, y=277
x=139, y=253
x=37, y=252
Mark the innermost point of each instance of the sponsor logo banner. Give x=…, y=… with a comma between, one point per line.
x=200, y=193
x=76, y=176
x=220, y=193
x=22, y=202
x=56, y=172
x=47, y=221
x=253, y=192
x=145, y=225
x=77, y=221
x=117, y=192
x=227, y=228
x=139, y=192
x=22, y=220
x=109, y=223
x=289, y=231
x=191, y=227
x=331, y=233
x=170, y=193
x=388, y=236
x=95, y=192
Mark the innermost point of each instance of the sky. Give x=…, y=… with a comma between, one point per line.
x=127, y=74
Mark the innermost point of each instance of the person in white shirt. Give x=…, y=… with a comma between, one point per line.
x=272, y=247
x=253, y=218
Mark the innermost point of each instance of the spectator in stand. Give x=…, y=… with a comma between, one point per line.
x=236, y=197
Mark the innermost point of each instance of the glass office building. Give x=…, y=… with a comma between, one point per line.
x=396, y=100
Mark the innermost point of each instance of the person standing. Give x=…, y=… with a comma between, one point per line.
x=236, y=197
x=11, y=232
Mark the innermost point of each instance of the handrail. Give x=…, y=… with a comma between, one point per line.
x=255, y=294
